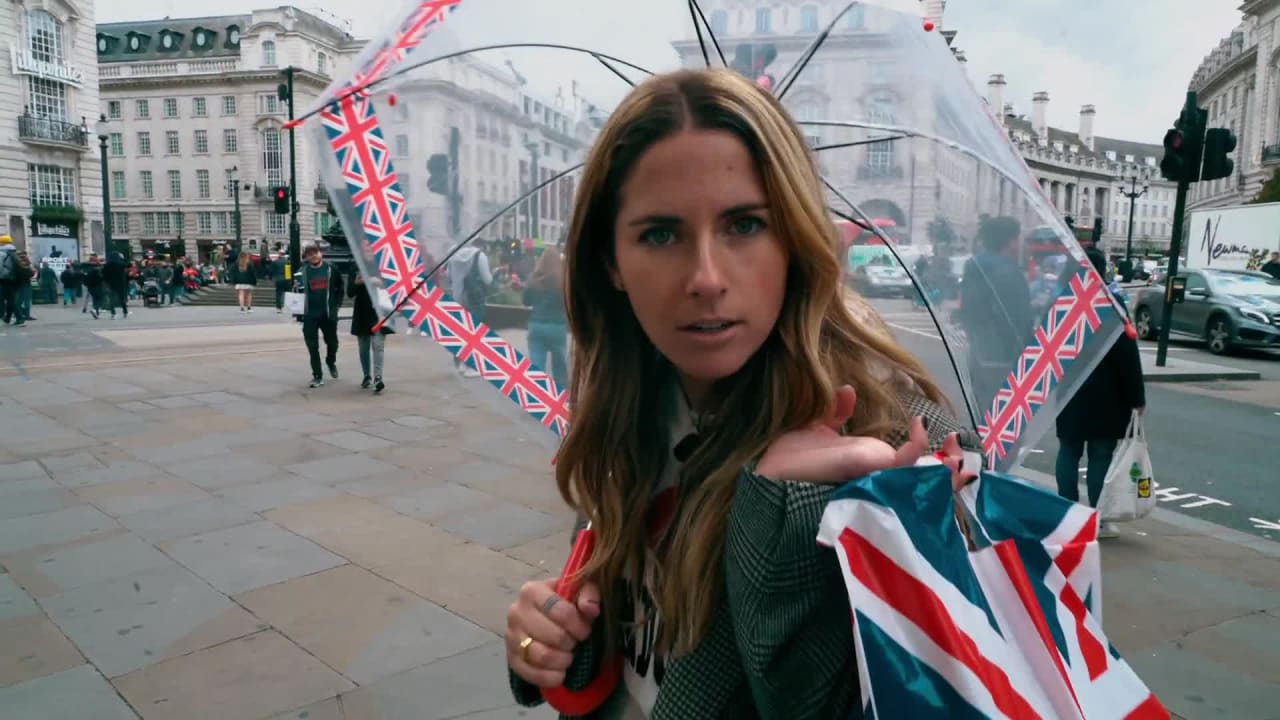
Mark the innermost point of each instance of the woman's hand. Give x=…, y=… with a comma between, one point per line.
x=543, y=629
x=820, y=454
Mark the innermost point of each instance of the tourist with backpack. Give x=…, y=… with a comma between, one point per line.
x=470, y=278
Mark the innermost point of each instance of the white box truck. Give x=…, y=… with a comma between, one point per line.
x=1241, y=237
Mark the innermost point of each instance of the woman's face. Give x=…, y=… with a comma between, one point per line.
x=697, y=255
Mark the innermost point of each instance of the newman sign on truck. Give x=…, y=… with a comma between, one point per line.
x=1233, y=238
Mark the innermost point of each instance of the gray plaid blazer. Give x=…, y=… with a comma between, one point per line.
x=781, y=644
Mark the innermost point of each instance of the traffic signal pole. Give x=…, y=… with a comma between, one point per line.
x=295, y=232
x=1184, y=147
x=1175, y=251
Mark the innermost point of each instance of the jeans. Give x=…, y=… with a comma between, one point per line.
x=95, y=296
x=376, y=342
x=312, y=328
x=68, y=296
x=1068, y=467
x=8, y=299
x=24, y=302
x=550, y=339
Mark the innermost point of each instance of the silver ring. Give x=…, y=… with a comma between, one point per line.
x=550, y=603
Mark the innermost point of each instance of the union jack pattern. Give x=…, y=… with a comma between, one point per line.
x=1075, y=317
x=352, y=129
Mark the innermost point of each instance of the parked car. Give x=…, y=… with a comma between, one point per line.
x=1225, y=308
x=882, y=280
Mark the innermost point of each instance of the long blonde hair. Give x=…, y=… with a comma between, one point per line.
x=613, y=453
x=242, y=261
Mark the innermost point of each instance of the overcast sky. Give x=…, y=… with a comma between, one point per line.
x=1126, y=57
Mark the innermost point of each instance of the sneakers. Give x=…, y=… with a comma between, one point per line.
x=379, y=386
x=1107, y=530
x=333, y=370
x=317, y=381
x=365, y=383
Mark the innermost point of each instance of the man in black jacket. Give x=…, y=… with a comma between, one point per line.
x=115, y=275
x=1272, y=266
x=1098, y=416
x=322, y=284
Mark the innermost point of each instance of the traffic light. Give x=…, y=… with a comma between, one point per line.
x=438, y=174
x=280, y=195
x=1184, y=147
x=1218, y=143
x=752, y=59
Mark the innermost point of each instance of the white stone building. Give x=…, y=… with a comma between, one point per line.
x=193, y=103
x=504, y=131
x=1084, y=174
x=50, y=181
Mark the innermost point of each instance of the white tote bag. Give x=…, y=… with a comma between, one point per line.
x=1128, y=493
x=295, y=303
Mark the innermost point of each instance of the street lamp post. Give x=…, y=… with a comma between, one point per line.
x=534, y=209
x=103, y=129
x=1133, y=194
x=235, y=193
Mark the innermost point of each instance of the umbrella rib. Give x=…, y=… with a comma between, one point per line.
x=417, y=287
x=857, y=143
x=711, y=33
x=613, y=70
x=868, y=224
x=790, y=78
x=697, y=28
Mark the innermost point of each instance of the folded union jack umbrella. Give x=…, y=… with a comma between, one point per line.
x=985, y=607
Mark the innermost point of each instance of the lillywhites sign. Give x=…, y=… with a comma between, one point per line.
x=24, y=63
x=54, y=230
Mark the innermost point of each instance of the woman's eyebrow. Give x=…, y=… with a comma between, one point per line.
x=660, y=219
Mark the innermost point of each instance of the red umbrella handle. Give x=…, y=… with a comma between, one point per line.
x=587, y=700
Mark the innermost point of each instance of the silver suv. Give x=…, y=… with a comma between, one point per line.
x=1225, y=308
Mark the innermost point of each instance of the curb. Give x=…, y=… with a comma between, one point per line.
x=1179, y=520
x=1201, y=376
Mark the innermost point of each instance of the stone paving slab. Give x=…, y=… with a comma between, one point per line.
x=80, y=693
x=52, y=573
x=133, y=496
x=31, y=647
x=23, y=533
x=250, y=556
x=286, y=489
x=190, y=518
x=36, y=501
x=14, y=601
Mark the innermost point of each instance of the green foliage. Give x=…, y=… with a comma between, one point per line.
x=56, y=212
x=1270, y=191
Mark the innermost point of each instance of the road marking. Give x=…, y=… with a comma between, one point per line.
x=1171, y=494
x=913, y=331
x=1264, y=524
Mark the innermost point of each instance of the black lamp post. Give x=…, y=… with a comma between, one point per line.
x=103, y=129
x=235, y=192
x=1133, y=194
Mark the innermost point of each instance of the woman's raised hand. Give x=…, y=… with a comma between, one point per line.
x=543, y=629
x=820, y=454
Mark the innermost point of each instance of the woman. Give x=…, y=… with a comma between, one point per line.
x=363, y=320
x=720, y=380
x=547, y=323
x=245, y=278
x=22, y=274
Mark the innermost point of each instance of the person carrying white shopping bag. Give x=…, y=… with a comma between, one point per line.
x=1096, y=419
x=1128, y=492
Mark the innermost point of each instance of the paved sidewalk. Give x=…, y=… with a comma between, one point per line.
x=205, y=538
x=1181, y=370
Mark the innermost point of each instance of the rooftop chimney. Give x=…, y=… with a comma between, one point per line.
x=1086, y=125
x=1039, y=115
x=995, y=96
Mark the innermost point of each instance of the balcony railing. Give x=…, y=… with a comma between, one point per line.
x=55, y=132
x=321, y=194
x=1271, y=153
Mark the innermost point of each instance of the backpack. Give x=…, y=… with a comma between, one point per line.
x=474, y=290
x=8, y=262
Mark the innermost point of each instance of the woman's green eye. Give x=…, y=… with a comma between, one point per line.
x=657, y=236
x=747, y=225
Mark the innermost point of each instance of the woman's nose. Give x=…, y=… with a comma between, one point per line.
x=708, y=276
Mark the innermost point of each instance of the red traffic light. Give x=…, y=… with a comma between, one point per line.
x=281, y=193
x=1173, y=140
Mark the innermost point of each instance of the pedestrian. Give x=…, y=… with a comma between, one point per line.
x=48, y=284
x=715, y=371
x=94, y=285
x=323, y=288
x=470, y=278
x=244, y=275
x=1096, y=418
x=23, y=272
x=71, y=282
x=115, y=279
x=1272, y=266
x=364, y=318
x=281, y=281
x=548, y=328
x=8, y=289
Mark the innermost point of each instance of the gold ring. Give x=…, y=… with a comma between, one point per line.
x=525, y=644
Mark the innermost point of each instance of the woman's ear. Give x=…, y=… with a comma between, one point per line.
x=615, y=277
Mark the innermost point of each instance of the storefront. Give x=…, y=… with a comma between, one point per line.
x=54, y=242
x=166, y=250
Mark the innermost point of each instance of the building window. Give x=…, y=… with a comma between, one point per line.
x=202, y=142
x=223, y=222
x=273, y=223
x=856, y=17
x=763, y=19
x=402, y=146
x=148, y=223
x=45, y=37
x=228, y=105
x=113, y=109
x=272, y=157
x=199, y=108
x=163, y=224
x=175, y=184
x=268, y=53
x=809, y=19
x=171, y=144
x=117, y=144
x=880, y=155
x=202, y=184
x=230, y=141
x=229, y=182
x=322, y=221
x=204, y=223
x=322, y=64
x=148, y=187
x=117, y=183
x=142, y=108
x=48, y=99
x=268, y=104
x=171, y=107
x=144, y=143
x=51, y=185
x=719, y=23
x=119, y=223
